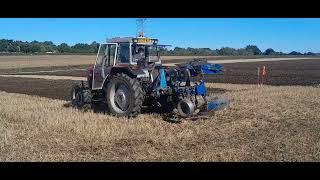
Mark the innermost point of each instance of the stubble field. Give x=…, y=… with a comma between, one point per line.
x=262, y=124
x=269, y=123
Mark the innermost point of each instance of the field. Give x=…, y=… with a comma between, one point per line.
x=20, y=62
x=269, y=123
x=262, y=124
x=298, y=72
x=290, y=72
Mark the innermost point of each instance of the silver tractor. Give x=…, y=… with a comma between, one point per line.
x=128, y=76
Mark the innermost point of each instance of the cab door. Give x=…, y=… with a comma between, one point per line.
x=124, y=54
x=104, y=61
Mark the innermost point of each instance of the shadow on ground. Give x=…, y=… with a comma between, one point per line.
x=101, y=108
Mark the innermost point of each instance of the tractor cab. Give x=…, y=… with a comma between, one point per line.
x=125, y=52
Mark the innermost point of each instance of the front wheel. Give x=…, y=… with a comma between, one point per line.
x=124, y=96
x=81, y=97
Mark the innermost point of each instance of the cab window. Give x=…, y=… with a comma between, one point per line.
x=123, y=53
x=111, y=51
x=101, y=54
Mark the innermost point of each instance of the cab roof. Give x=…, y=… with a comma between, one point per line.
x=128, y=40
x=120, y=40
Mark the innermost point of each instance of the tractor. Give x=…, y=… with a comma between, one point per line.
x=128, y=76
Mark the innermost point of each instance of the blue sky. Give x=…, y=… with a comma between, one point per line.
x=281, y=34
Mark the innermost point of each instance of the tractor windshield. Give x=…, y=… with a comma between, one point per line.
x=149, y=52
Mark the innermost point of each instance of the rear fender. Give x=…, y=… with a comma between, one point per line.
x=126, y=70
x=90, y=76
x=116, y=70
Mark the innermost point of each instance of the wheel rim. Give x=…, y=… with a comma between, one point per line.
x=119, y=97
x=74, y=94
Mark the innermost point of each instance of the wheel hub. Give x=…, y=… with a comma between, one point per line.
x=120, y=98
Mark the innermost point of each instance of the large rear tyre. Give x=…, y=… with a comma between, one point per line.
x=124, y=96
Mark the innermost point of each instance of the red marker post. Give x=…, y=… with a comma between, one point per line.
x=264, y=74
x=258, y=82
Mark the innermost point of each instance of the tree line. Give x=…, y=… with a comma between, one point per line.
x=34, y=47
x=249, y=50
x=10, y=46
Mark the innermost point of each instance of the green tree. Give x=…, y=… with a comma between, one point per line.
x=295, y=53
x=81, y=48
x=34, y=47
x=244, y=52
x=24, y=47
x=94, y=47
x=227, y=51
x=12, y=48
x=43, y=49
x=4, y=45
x=254, y=49
x=310, y=54
x=269, y=51
x=64, y=48
x=48, y=43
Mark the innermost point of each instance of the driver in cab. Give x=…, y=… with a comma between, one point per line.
x=139, y=56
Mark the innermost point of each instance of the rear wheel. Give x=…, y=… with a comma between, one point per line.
x=124, y=96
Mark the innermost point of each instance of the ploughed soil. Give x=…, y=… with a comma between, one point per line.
x=298, y=72
x=54, y=89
